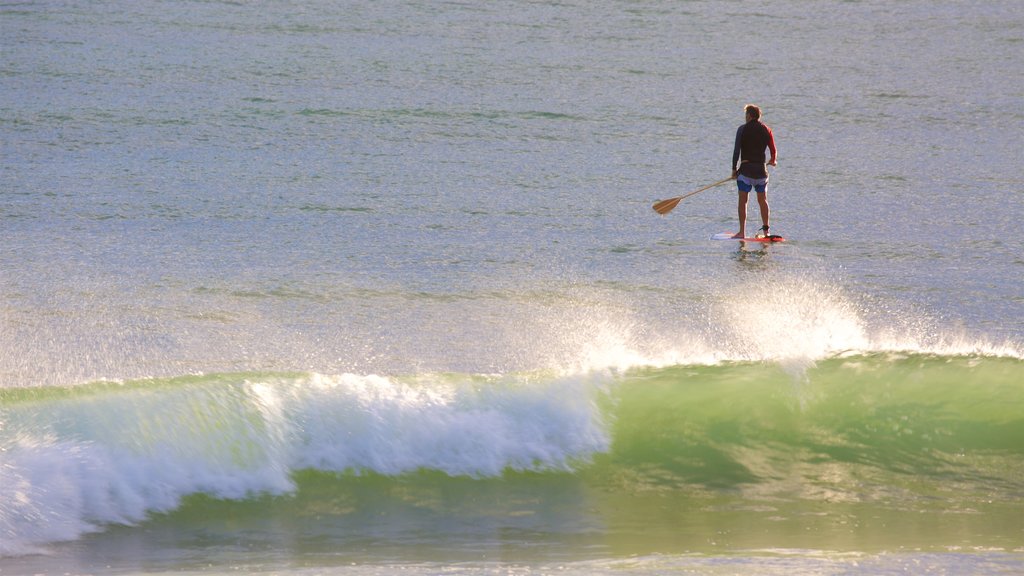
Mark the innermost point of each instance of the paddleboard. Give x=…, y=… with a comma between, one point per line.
x=767, y=239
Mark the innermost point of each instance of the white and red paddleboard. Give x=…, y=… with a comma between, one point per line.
x=765, y=239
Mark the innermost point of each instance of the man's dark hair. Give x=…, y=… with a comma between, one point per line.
x=753, y=110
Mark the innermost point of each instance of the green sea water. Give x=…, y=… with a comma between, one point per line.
x=863, y=457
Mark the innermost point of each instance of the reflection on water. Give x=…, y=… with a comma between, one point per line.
x=753, y=255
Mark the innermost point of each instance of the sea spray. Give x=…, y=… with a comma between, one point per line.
x=793, y=321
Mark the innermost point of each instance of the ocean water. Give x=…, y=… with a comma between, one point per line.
x=376, y=287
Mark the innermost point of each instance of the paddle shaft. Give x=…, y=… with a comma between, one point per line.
x=665, y=206
x=719, y=183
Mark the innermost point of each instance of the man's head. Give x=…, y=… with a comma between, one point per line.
x=753, y=112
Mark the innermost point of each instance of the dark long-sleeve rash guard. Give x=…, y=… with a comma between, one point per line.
x=751, y=140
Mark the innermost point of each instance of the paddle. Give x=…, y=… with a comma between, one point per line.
x=665, y=206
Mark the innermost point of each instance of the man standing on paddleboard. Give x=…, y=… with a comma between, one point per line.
x=751, y=140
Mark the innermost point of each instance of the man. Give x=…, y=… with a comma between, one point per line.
x=751, y=140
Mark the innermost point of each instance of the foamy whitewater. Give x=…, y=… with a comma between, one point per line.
x=361, y=288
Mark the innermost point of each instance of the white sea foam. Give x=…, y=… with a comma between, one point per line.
x=351, y=422
x=136, y=451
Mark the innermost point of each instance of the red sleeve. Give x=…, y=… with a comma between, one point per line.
x=771, y=142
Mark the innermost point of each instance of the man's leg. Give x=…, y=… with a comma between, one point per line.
x=762, y=202
x=741, y=210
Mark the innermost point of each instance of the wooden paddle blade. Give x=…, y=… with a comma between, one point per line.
x=665, y=206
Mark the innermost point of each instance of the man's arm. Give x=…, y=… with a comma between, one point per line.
x=736, y=151
x=771, y=146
